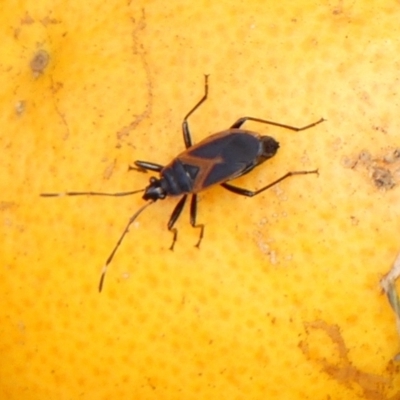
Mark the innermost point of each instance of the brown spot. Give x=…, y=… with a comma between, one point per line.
x=39, y=62
x=17, y=31
x=48, y=20
x=7, y=205
x=27, y=19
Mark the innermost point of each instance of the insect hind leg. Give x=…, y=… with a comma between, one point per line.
x=251, y=193
x=242, y=120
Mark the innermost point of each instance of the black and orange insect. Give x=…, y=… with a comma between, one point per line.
x=215, y=160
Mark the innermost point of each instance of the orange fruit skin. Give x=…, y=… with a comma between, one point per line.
x=282, y=300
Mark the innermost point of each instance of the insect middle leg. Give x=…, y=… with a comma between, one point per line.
x=193, y=214
x=185, y=126
x=250, y=193
x=242, y=120
x=174, y=217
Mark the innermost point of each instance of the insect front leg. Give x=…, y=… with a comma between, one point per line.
x=193, y=214
x=242, y=120
x=250, y=193
x=174, y=216
x=144, y=166
x=185, y=126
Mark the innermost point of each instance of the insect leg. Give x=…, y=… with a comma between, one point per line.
x=185, y=126
x=193, y=214
x=250, y=193
x=174, y=216
x=242, y=120
x=144, y=166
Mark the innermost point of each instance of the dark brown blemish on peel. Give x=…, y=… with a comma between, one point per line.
x=39, y=62
x=139, y=50
x=383, y=178
x=341, y=367
x=383, y=170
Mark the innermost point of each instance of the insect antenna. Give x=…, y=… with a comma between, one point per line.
x=118, y=194
x=132, y=219
x=111, y=256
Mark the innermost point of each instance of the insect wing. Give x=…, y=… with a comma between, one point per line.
x=221, y=157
